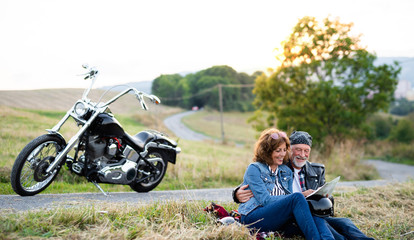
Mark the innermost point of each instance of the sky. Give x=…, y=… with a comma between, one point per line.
x=44, y=43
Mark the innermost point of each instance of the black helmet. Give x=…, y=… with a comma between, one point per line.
x=321, y=207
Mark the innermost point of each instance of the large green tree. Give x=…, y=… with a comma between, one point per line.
x=327, y=83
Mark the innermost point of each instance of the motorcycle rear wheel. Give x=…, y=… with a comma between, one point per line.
x=28, y=176
x=158, y=158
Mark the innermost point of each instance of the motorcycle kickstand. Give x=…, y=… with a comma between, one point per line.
x=99, y=187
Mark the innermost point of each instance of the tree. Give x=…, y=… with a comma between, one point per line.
x=167, y=86
x=327, y=84
x=201, y=89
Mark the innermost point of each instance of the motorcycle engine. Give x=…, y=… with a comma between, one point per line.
x=104, y=156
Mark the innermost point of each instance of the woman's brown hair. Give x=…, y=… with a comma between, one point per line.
x=269, y=140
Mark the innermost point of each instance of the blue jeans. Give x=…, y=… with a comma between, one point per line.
x=275, y=215
x=346, y=228
x=341, y=229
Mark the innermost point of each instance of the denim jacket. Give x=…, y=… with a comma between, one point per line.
x=261, y=181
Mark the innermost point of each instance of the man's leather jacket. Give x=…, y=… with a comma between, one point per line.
x=314, y=174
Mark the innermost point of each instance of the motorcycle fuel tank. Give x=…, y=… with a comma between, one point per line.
x=107, y=126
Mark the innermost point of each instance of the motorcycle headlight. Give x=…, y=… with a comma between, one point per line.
x=80, y=109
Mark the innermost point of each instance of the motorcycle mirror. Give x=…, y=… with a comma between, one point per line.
x=155, y=99
x=85, y=65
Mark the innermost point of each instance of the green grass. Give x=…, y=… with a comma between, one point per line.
x=385, y=212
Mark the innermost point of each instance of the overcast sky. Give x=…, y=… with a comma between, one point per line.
x=43, y=43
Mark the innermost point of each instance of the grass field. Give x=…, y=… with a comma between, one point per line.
x=206, y=165
x=382, y=213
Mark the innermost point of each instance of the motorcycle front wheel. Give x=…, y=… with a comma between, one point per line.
x=158, y=158
x=28, y=176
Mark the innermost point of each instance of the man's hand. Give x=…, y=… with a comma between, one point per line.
x=307, y=192
x=244, y=195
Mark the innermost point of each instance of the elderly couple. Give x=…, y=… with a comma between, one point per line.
x=275, y=185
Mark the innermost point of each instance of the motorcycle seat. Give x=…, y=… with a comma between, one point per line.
x=141, y=138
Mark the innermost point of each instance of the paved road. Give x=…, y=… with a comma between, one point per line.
x=48, y=201
x=180, y=130
x=389, y=172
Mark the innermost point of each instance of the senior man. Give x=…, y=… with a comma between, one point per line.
x=307, y=178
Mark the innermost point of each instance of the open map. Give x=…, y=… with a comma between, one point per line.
x=326, y=189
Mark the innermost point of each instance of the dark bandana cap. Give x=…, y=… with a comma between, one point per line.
x=300, y=137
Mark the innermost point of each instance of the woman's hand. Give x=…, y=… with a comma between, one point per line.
x=307, y=192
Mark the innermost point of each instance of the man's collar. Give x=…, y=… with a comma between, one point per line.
x=309, y=170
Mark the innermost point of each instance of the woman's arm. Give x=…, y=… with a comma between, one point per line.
x=257, y=185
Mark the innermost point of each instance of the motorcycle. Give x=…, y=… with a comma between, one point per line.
x=104, y=152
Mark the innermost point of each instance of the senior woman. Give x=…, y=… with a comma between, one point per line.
x=273, y=205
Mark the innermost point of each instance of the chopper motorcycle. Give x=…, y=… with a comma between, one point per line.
x=104, y=152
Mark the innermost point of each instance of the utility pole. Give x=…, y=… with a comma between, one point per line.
x=221, y=111
x=220, y=86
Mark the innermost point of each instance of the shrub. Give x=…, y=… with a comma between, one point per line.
x=377, y=127
x=403, y=132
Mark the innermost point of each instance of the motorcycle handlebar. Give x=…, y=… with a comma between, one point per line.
x=92, y=74
x=138, y=94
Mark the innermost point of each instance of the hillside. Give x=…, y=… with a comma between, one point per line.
x=63, y=99
x=144, y=86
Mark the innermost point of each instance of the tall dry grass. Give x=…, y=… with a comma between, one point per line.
x=344, y=159
x=391, y=151
x=383, y=212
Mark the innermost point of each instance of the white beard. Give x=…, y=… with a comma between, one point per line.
x=297, y=164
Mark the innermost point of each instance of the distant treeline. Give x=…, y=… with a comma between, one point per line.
x=402, y=107
x=201, y=89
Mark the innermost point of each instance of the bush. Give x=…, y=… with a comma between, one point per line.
x=403, y=132
x=378, y=127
